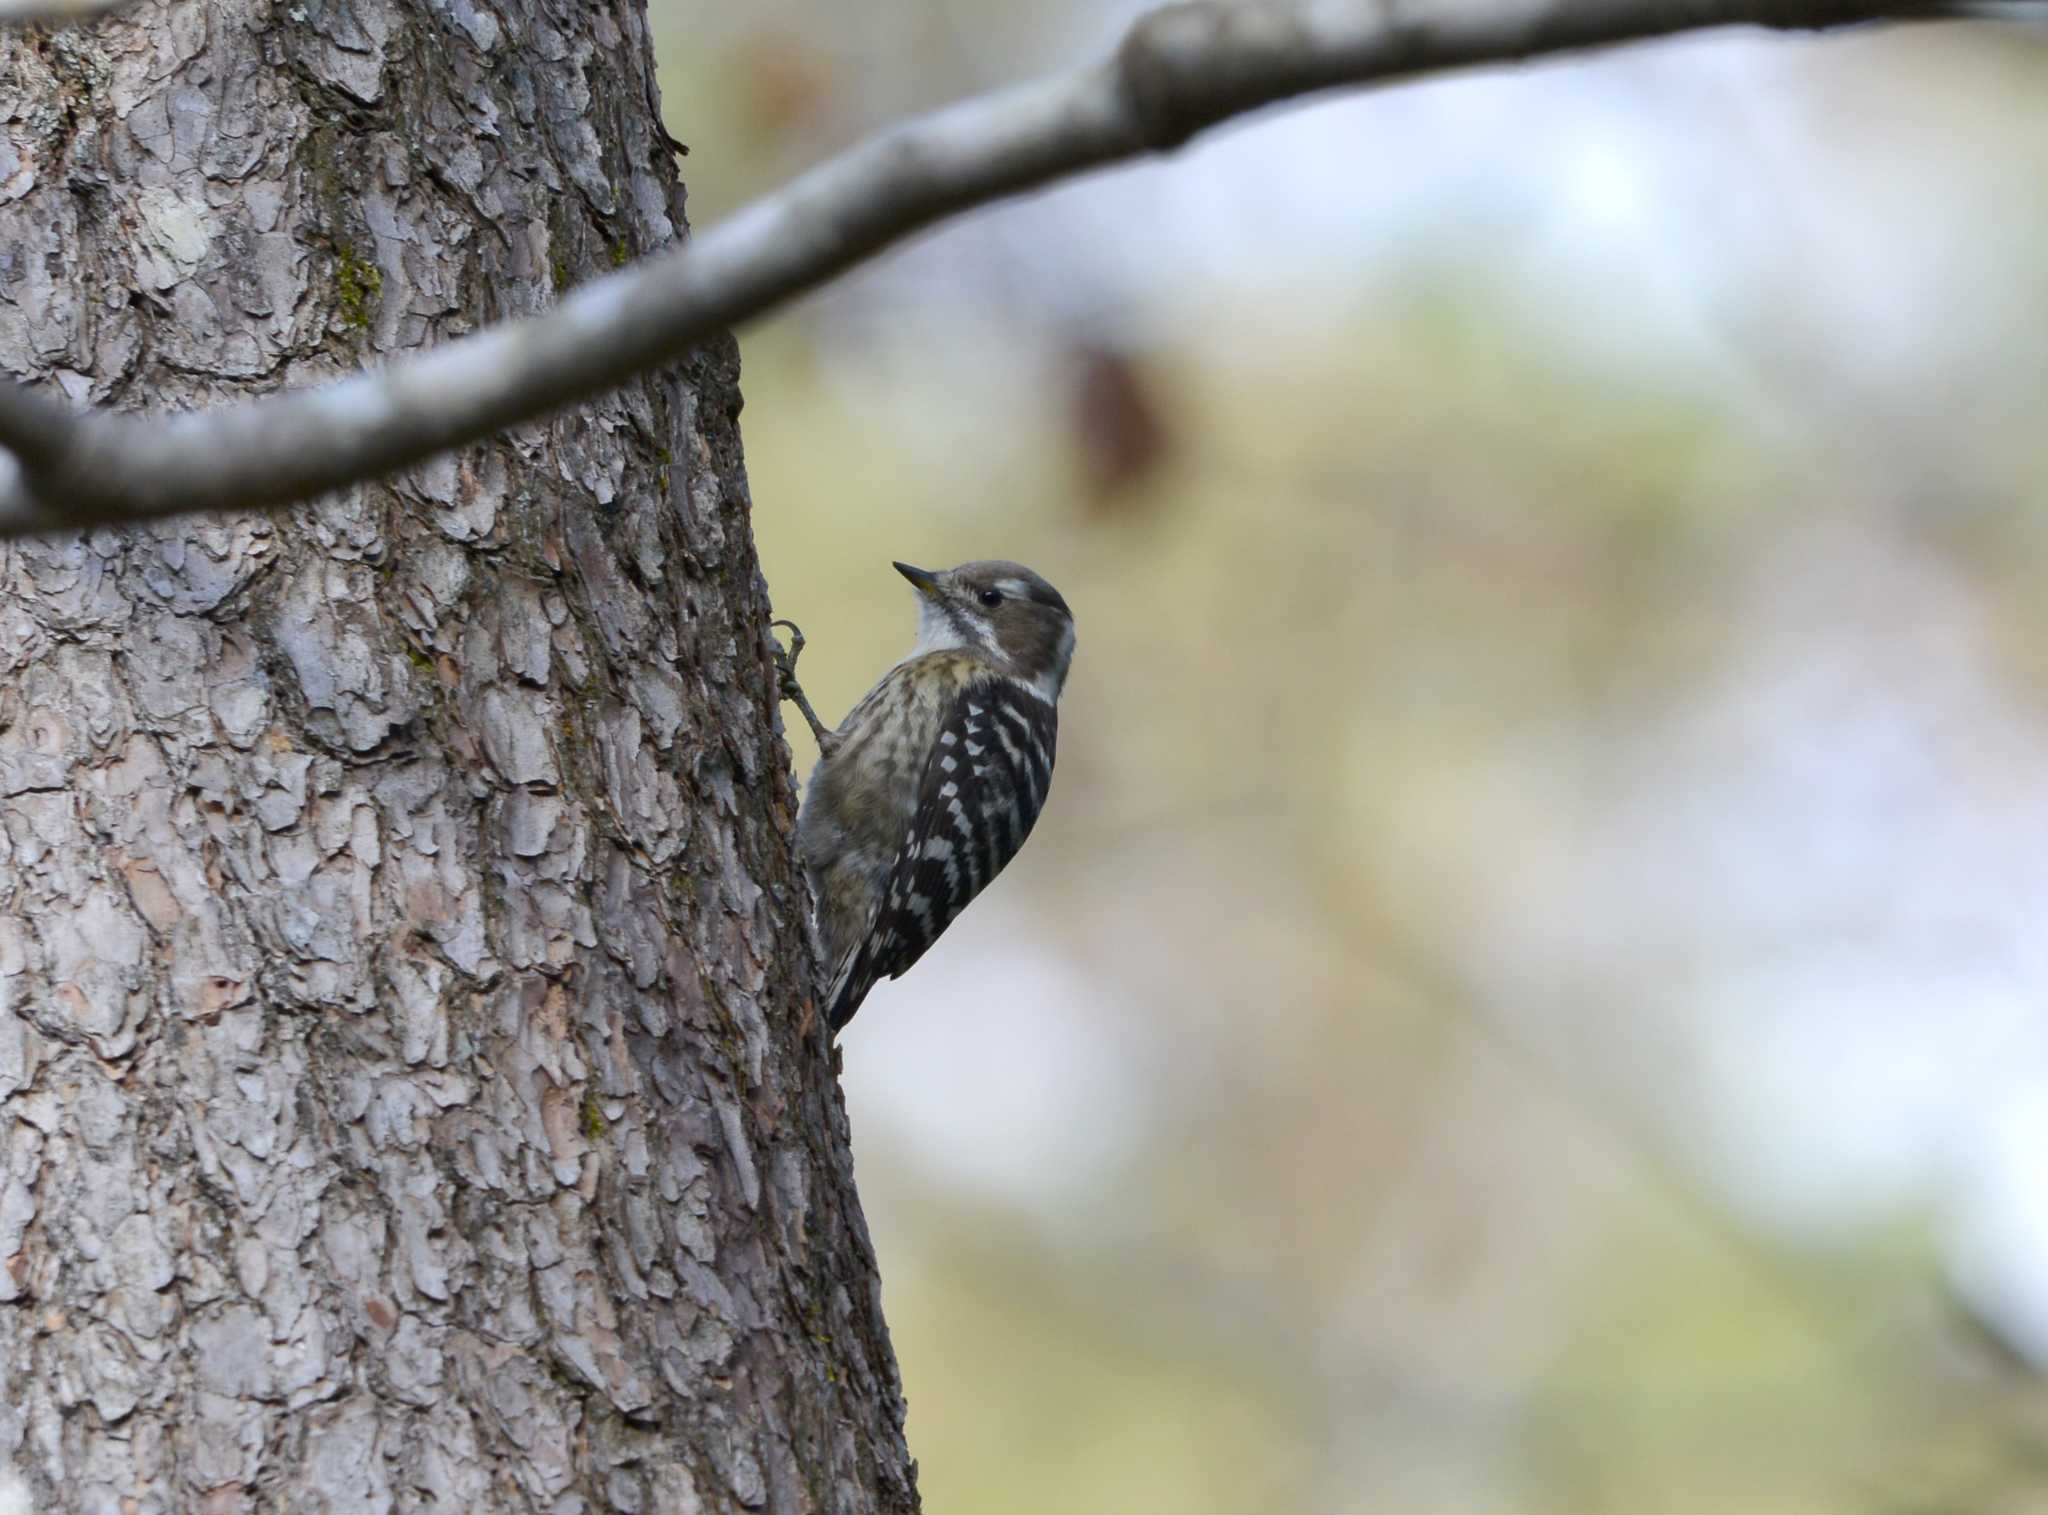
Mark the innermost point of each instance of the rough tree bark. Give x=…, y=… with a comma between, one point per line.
x=410, y=1093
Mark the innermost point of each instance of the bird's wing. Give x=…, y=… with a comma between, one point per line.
x=983, y=786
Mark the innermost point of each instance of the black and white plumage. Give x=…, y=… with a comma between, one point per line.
x=932, y=783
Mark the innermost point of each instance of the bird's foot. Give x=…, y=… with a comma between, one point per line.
x=785, y=666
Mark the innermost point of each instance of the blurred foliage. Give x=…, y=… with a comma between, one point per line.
x=1409, y=1069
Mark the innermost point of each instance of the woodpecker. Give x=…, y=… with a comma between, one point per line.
x=932, y=782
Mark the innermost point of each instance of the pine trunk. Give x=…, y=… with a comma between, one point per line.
x=411, y=1096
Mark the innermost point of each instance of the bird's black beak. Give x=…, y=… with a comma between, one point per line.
x=923, y=580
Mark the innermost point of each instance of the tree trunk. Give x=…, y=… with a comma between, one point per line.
x=411, y=1095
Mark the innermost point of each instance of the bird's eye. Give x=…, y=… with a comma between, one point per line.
x=990, y=598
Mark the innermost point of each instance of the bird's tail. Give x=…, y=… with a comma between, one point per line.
x=849, y=987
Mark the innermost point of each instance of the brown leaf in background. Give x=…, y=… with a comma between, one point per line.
x=1121, y=435
x=787, y=84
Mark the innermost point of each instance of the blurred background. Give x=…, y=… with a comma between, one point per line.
x=1530, y=993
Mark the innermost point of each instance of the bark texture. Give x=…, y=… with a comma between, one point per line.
x=411, y=1096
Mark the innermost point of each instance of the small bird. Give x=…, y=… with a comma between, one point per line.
x=933, y=781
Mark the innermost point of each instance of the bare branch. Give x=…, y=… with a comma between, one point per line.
x=15, y=13
x=1179, y=71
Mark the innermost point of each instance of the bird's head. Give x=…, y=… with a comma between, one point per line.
x=1001, y=610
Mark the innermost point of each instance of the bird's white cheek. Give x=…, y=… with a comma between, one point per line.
x=935, y=631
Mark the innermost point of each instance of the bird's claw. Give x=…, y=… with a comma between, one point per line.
x=791, y=690
x=785, y=658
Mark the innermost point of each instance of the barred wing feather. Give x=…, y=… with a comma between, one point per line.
x=982, y=790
